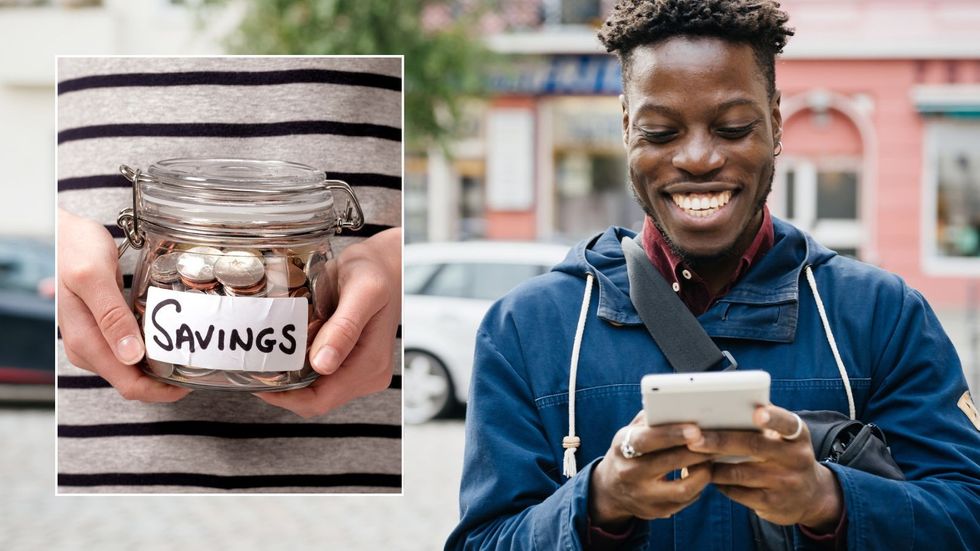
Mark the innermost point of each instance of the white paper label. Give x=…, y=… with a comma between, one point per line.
x=222, y=332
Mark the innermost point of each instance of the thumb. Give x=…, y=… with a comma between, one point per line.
x=117, y=324
x=360, y=299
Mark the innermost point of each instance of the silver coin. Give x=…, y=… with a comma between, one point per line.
x=160, y=369
x=197, y=264
x=192, y=372
x=239, y=378
x=239, y=269
x=164, y=269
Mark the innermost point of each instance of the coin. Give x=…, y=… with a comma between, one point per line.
x=192, y=372
x=160, y=369
x=196, y=265
x=256, y=290
x=163, y=271
x=295, y=275
x=277, y=276
x=271, y=378
x=239, y=269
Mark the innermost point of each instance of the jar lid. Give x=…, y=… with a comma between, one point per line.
x=236, y=198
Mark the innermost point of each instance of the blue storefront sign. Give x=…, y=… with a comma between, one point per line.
x=559, y=75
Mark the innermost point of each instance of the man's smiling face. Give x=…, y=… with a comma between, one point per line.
x=700, y=130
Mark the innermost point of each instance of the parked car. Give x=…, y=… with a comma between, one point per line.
x=26, y=319
x=448, y=289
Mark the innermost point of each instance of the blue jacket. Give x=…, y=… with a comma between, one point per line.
x=904, y=373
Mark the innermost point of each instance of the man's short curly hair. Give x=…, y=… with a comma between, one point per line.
x=759, y=23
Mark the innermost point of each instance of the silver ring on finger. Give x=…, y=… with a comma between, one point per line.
x=626, y=448
x=799, y=429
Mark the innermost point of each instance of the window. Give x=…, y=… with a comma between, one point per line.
x=951, y=232
x=822, y=196
x=417, y=276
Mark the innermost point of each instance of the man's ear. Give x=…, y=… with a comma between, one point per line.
x=777, y=119
x=626, y=120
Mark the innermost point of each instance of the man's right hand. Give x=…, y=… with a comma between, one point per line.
x=98, y=329
x=622, y=488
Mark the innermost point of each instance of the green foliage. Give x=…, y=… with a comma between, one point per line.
x=442, y=66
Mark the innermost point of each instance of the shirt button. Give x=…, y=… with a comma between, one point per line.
x=686, y=274
x=677, y=287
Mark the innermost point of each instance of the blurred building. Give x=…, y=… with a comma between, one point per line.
x=881, y=108
x=32, y=33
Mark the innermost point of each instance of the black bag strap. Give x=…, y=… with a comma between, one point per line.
x=671, y=324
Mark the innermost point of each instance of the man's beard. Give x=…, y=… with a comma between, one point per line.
x=693, y=260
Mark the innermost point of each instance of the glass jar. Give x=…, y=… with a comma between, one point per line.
x=235, y=275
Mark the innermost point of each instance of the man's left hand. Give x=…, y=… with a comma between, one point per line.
x=783, y=483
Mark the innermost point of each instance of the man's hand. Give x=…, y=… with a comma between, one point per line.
x=98, y=329
x=785, y=484
x=624, y=488
x=353, y=350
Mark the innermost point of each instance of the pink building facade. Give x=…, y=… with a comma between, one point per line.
x=881, y=109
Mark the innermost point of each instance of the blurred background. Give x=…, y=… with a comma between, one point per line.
x=513, y=136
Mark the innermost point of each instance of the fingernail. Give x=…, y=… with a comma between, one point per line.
x=764, y=417
x=690, y=433
x=326, y=360
x=129, y=350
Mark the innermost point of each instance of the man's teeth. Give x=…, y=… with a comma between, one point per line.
x=701, y=204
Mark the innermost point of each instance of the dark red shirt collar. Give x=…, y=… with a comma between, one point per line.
x=689, y=286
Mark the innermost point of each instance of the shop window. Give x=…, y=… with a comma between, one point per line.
x=821, y=196
x=951, y=231
x=572, y=12
x=592, y=194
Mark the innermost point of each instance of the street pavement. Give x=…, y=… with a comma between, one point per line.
x=33, y=518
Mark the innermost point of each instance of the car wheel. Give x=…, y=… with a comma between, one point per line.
x=428, y=390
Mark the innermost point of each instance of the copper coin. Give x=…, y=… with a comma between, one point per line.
x=239, y=269
x=271, y=378
x=296, y=277
x=199, y=287
x=300, y=292
x=197, y=264
x=277, y=276
x=255, y=290
x=312, y=329
x=164, y=269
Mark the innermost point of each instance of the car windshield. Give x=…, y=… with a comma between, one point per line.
x=475, y=280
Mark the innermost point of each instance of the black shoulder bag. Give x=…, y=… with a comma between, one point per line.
x=835, y=437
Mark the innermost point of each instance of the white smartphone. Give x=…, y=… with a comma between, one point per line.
x=714, y=400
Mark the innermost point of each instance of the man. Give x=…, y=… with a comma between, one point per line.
x=702, y=128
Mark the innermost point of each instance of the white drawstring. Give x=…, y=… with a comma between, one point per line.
x=832, y=341
x=572, y=442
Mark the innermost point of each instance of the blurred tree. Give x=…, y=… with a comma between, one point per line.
x=443, y=66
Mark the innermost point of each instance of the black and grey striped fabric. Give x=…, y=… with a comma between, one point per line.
x=342, y=115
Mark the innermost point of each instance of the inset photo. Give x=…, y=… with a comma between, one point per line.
x=228, y=280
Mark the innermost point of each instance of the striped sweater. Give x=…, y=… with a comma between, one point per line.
x=341, y=115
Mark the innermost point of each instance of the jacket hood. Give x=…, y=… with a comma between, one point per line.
x=773, y=279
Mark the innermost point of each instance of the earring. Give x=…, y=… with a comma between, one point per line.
x=779, y=149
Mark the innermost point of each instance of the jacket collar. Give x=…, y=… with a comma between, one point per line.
x=768, y=291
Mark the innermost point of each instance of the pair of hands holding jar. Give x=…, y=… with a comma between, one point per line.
x=352, y=352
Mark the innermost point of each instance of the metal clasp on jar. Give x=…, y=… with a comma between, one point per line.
x=351, y=217
x=128, y=219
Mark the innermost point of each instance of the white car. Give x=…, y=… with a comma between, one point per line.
x=448, y=289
